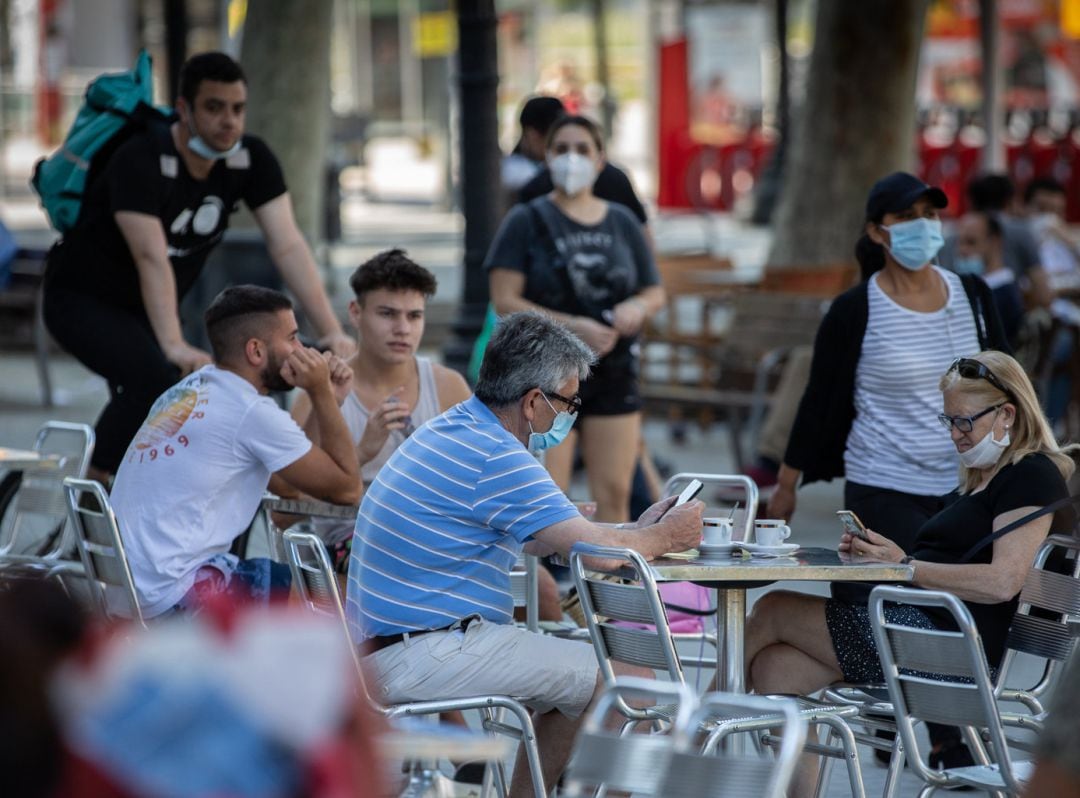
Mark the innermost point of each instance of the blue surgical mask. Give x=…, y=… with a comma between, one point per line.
x=204, y=150
x=560, y=428
x=913, y=244
x=969, y=264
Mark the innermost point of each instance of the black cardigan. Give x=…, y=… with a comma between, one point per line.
x=827, y=410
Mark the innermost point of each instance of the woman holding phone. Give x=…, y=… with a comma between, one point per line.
x=586, y=262
x=1010, y=468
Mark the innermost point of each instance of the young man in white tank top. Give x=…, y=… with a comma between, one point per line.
x=394, y=391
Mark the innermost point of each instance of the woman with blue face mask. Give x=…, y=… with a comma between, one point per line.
x=869, y=412
x=586, y=262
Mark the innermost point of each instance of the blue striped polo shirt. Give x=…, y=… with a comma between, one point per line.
x=443, y=523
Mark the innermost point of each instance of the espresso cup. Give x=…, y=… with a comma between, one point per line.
x=716, y=531
x=770, y=532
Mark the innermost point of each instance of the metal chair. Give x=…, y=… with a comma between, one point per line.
x=712, y=773
x=638, y=601
x=1049, y=603
x=604, y=759
x=37, y=514
x=101, y=548
x=314, y=580
x=922, y=668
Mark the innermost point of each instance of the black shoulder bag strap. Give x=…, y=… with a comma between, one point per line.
x=986, y=541
x=971, y=288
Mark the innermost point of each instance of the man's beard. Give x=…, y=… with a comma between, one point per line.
x=272, y=379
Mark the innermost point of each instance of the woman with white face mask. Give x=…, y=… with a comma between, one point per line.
x=1011, y=467
x=586, y=262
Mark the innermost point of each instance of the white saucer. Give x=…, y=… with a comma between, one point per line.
x=757, y=548
x=718, y=548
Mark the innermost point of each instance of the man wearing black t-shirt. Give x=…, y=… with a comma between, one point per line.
x=149, y=221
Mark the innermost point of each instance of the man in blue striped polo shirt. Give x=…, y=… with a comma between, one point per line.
x=444, y=522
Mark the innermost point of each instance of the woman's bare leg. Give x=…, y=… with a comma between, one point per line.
x=609, y=446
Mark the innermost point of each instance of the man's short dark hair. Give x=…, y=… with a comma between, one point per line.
x=540, y=113
x=207, y=66
x=238, y=314
x=1044, y=184
x=990, y=192
x=393, y=270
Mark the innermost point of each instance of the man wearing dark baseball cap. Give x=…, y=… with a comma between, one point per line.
x=898, y=192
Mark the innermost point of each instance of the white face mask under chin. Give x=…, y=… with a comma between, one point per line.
x=986, y=452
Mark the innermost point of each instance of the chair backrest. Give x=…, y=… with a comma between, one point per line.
x=101, y=548
x=692, y=773
x=1046, y=592
x=638, y=601
x=937, y=676
x=38, y=509
x=316, y=583
x=632, y=763
x=525, y=588
x=742, y=482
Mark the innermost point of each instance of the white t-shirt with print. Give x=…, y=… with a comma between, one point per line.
x=193, y=477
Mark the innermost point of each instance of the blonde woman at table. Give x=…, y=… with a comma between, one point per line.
x=1011, y=466
x=586, y=263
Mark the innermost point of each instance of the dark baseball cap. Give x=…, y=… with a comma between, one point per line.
x=898, y=192
x=540, y=113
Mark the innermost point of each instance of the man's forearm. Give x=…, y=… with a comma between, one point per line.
x=157, y=286
x=297, y=267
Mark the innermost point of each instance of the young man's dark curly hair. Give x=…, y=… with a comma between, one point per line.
x=393, y=270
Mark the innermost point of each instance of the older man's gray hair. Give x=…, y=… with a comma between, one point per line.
x=530, y=350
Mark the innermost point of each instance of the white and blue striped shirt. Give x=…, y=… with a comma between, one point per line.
x=896, y=441
x=443, y=523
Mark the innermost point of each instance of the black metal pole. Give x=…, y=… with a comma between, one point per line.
x=478, y=78
x=176, y=31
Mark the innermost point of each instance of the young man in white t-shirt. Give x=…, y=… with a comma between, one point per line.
x=192, y=478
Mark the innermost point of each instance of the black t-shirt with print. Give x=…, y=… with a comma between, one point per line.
x=1033, y=482
x=583, y=270
x=147, y=175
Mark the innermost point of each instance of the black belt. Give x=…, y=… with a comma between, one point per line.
x=385, y=641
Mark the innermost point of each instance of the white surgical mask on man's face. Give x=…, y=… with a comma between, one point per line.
x=572, y=172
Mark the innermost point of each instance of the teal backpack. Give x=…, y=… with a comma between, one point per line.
x=115, y=105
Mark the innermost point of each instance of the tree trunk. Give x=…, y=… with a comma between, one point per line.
x=857, y=124
x=286, y=55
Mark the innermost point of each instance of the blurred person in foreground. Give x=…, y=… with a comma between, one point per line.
x=194, y=475
x=1010, y=467
x=1057, y=751
x=447, y=517
x=585, y=262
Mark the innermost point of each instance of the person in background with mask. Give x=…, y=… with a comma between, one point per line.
x=869, y=411
x=1045, y=201
x=979, y=251
x=162, y=202
x=447, y=517
x=585, y=262
x=1010, y=468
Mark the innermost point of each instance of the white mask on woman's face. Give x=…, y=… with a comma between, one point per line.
x=572, y=172
x=986, y=452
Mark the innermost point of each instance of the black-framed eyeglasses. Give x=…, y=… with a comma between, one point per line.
x=573, y=404
x=966, y=423
x=972, y=369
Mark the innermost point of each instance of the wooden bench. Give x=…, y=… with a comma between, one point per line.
x=21, y=319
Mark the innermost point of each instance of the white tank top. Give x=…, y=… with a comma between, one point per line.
x=356, y=419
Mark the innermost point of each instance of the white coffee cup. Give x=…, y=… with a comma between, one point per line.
x=771, y=532
x=716, y=531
